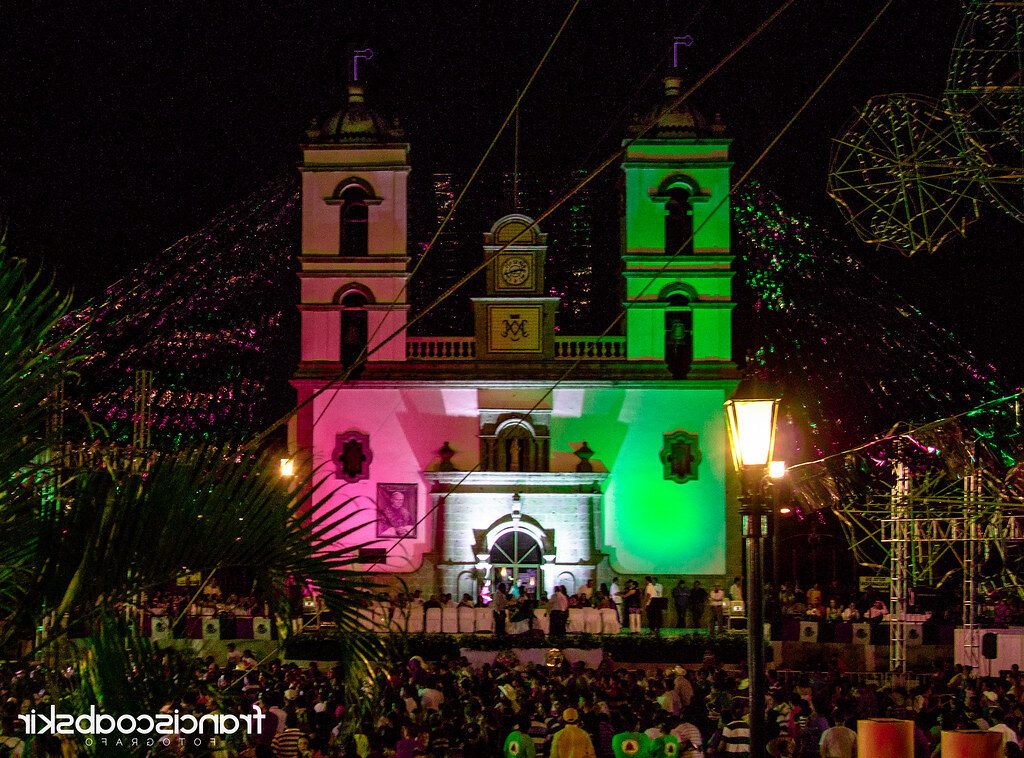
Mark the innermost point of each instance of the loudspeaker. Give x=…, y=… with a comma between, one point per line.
x=261, y=628
x=990, y=645
x=808, y=631
x=862, y=633
x=915, y=634
x=161, y=629
x=211, y=629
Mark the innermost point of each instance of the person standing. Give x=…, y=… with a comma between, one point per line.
x=736, y=734
x=660, y=603
x=271, y=724
x=558, y=609
x=814, y=595
x=519, y=743
x=631, y=601
x=286, y=743
x=571, y=741
x=717, y=596
x=698, y=597
x=649, y=604
x=683, y=686
x=616, y=597
x=409, y=744
x=839, y=741
x=681, y=600
x=499, y=602
x=736, y=590
x=691, y=743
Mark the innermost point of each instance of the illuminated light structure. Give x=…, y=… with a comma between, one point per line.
x=471, y=467
x=753, y=414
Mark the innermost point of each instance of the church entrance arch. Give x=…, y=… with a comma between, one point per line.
x=516, y=559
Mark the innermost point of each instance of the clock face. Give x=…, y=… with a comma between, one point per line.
x=514, y=271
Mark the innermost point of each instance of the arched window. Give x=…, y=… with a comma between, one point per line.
x=354, y=242
x=567, y=580
x=515, y=548
x=466, y=584
x=354, y=330
x=678, y=335
x=678, y=222
x=515, y=559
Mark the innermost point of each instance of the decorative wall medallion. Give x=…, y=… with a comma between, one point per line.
x=396, y=510
x=680, y=456
x=352, y=456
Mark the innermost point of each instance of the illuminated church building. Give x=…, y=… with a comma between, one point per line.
x=484, y=456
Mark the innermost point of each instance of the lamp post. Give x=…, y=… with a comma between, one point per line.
x=752, y=434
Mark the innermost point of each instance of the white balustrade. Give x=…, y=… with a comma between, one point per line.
x=590, y=348
x=440, y=348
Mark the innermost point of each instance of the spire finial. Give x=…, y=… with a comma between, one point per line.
x=366, y=55
x=684, y=41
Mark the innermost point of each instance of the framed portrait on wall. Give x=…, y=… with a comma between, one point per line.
x=396, y=510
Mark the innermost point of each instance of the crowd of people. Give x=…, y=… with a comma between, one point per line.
x=446, y=709
x=640, y=603
x=646, y=605
x=208, y=600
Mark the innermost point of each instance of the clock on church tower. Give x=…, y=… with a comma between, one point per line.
x=515, y=272
x=515, y=320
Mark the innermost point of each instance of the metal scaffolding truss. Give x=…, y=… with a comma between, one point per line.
x=930, y=527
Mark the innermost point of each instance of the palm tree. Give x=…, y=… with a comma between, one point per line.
x=80, y=541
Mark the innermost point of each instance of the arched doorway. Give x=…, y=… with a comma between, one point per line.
x=515, y=560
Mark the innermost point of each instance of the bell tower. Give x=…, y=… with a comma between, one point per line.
x=355, y=168
x=678, y=256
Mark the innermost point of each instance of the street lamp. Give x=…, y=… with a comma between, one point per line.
x=752, y=434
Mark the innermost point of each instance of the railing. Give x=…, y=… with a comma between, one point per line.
x=594, y=348
x=464, y=348
x=440, y=348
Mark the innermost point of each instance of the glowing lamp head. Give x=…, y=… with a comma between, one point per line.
x=777, y=469
x=287, y=467
x=785, y=510
x=752, y=431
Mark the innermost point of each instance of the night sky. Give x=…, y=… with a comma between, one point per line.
x=127, y=125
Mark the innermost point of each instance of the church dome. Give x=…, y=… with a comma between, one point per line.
x=676, y=120
x=356, y=122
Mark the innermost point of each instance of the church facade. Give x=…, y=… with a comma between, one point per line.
x=514, y=453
